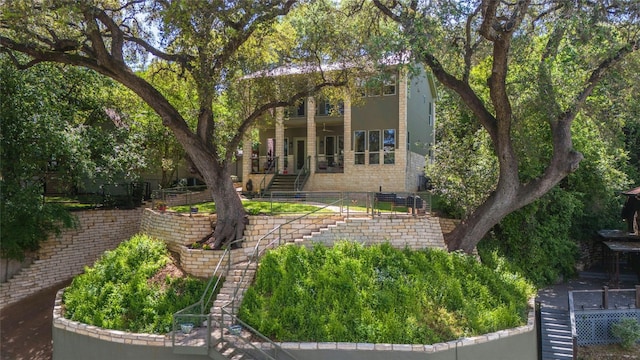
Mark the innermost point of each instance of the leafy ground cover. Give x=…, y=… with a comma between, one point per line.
x=380, y=294
x=136, y=287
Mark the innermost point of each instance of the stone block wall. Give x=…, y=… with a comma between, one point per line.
x=176, y=229
x=187, y=198
x=61, y=258
x=400, y=231
x=180, y=230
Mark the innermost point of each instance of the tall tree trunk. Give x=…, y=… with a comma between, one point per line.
x=469, y=232
x=232, y=218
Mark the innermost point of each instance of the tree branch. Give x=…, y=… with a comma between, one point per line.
x=261, y=110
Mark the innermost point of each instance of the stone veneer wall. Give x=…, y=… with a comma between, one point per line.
x=400, y=231
x=61, y=258
x=188, y=198
x=179, y=230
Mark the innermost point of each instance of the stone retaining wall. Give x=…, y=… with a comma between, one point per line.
x=77, y=341
x=180, y=230
x=187, y=198
x=401, y=231
x=61, y=258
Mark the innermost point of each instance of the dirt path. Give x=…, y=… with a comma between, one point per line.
x=25, y=327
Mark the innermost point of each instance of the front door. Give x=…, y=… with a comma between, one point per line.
x=330, y=150
x=301, y=148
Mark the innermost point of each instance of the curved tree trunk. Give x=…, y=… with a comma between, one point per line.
x=232, y=217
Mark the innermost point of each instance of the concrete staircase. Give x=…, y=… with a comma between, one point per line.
x=235, y=281
x=282, y=182
x=557, y=343
x=227, y=345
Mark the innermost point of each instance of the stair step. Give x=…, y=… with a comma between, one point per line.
x=556, y=341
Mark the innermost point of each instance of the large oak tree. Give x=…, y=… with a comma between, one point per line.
x=582, y=40
x=213, y=44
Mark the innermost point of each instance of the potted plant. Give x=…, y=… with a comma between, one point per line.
x=186, y=327
x=161, y=205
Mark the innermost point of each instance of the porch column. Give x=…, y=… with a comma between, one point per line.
x=401, y=147
x=348, y=154
x=246, y=159
x=311, y=133
x=280, y=138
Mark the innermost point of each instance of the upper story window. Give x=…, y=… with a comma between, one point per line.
x=326, y=108
x=383, y=86
x=389, y=86
x=296, y=110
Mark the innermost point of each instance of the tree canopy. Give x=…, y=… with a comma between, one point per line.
x=212, y=44
x=52, y=122
x=523, y=71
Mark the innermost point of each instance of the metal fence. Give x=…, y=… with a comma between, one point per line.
x=370, y=203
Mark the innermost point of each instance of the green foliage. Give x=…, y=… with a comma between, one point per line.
x=380, y=294
x=536, y=239
x=628, y=331
x=119, y=291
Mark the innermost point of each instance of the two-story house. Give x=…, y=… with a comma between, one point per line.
x=379, y=141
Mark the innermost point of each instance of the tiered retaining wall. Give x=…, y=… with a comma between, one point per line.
x=61, y=258
x=180, y=230
x=74, y=340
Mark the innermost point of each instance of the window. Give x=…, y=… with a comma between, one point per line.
x=359, y=144
x=389, y=86
x=325, y=107
x=374, y=88
x=295, y=110
x=374, y=147
x=361, y=87
x=389, y=146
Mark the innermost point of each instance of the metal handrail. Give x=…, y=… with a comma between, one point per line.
x=574, y=331
x=255, y=255
x=298, y=184
x=276, y=348
x=272, y=169
x=202, y=304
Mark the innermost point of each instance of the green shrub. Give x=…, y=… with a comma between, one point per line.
x=119, y=291
x=628, y=331
x=536, y=240
x=380, y=294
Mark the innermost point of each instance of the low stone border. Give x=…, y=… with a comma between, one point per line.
x=121, y=337
x=433, y=348
x=115, y=336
